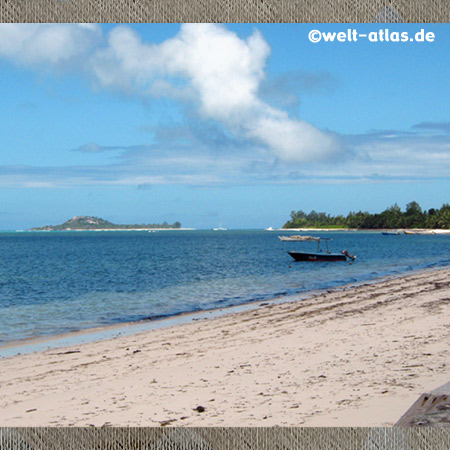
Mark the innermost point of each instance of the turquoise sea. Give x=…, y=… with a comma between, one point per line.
x=56, y=282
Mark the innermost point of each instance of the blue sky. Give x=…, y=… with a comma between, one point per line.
x=233, y=125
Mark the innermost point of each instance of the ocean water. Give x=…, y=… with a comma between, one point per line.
x=56, y=282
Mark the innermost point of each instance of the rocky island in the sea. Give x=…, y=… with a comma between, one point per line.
x=95, y=223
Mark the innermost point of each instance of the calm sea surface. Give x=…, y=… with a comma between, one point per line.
x=57, y=282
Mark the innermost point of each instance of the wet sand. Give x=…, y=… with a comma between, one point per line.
x=359, y=356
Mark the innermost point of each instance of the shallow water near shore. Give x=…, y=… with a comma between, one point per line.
x=53, y=283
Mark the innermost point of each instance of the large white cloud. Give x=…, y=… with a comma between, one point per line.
x=219, y=72
x=205, y=64
x=220, y=75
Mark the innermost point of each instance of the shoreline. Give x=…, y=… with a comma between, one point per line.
x=107, y=332
x=358, y=356
x=362, y=230
x=110, y=331
x=104, y=229
x=430, y=231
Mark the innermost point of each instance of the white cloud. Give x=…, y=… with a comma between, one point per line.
x=292, y=139
x=206, y=64
x=222, y=73
x=33, y=44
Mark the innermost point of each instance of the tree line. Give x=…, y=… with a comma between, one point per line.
x=393, y=217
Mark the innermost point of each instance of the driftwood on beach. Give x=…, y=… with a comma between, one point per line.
x=430, y=409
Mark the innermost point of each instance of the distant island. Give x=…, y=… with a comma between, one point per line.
x=391, y=218
x=95, y=223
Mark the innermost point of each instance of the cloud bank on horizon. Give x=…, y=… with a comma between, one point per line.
x=229, y=133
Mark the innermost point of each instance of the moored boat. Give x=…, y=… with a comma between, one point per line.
x=305, y=256
x=320, y=255
x=298, y=238
x=427, y=232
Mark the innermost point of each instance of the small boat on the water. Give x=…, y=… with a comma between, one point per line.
x=391, y=233
x=319, y=255
x=298, y=238
x=427, y=232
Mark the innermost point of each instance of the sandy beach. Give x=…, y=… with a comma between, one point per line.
x=356, y=356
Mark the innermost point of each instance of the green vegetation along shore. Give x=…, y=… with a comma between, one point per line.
x=393, y=217
x=95, y=223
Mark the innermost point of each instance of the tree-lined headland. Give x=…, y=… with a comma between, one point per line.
x=391, y=218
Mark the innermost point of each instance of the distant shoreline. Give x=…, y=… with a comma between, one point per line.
x=379, y=230
x=101, y=229
x=278, y=230
x=92, y=223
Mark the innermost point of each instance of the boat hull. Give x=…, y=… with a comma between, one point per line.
x=305, y=256
x=299, y=238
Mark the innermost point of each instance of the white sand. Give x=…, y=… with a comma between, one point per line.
x=358, y=357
